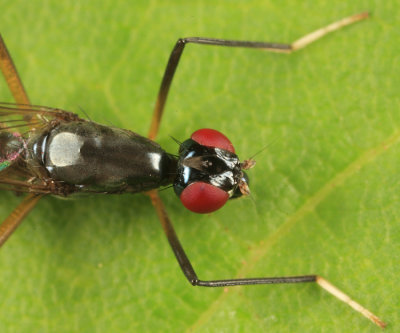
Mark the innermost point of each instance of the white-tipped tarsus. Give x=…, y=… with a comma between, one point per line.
x=329, y=287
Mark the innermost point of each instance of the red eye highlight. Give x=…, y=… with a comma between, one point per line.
x=212, y=138
x=203, y=198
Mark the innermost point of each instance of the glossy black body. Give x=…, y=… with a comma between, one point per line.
x=89, y=157
x=65, y=155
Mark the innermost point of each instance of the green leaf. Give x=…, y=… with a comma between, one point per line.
x=326, y=192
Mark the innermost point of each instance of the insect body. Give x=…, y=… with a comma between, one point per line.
x=50, y=151
x=64, y=155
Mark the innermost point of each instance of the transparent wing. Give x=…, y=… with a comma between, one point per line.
x=30, y=117
x=22, y=182
x=18, y=124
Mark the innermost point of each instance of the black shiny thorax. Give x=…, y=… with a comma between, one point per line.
x=102, y=159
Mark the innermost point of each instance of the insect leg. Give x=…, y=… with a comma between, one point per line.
x=11, y=75
x=191, y=275
x=18, y=214
x=18, y=91
x=274, y=47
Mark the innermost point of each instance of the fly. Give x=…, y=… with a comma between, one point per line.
x=47, y=151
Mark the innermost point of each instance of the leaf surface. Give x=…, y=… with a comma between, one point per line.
x=326, y=191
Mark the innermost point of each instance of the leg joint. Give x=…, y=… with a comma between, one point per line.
x=194, y=282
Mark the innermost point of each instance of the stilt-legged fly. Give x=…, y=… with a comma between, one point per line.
x=47, y=151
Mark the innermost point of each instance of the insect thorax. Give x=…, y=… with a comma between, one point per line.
x=101, y=159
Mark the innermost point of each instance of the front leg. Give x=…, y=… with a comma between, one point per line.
x=266, y=46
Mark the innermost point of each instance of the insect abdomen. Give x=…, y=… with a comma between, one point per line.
x=11, y=147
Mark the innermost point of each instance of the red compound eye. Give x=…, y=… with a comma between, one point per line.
x=200, y=197
x=212, y=138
